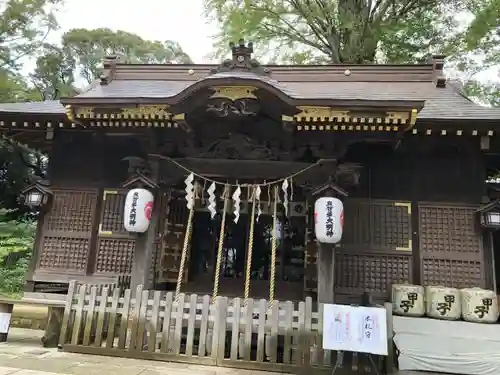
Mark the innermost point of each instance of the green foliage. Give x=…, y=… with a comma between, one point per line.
x=53, y=76
x=344, y=31
x=17, y=168
x=24, y=25
x=89, y=47
x=482, y=51
x=364, y=31
x=16, y=243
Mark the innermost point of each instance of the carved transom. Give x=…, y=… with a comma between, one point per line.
x=233, y=92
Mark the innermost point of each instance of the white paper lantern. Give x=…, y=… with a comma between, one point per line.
x=408, y=299
x=138, y=210
x=479, y=305
x=328, y=219
x=443, y=303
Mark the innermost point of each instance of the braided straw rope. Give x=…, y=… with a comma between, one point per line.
x=221, y=244
x=250, y=250
x=187, y=237
x=274, y=243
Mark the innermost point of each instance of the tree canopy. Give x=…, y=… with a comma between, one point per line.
x=87, y=48
x=482, y=40
x=344, y=31
x=367, y=31
x=58, y=69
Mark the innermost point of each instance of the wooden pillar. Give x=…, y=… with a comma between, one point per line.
x=326, y=252
x=144, y=246
x=50, y=338
x=326, y=268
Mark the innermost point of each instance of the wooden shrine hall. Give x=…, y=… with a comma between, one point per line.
x=403, y=148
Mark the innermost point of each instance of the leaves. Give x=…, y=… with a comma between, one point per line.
x=16, y=246
x=343, y=31
x=53, y=76
x=89, y=47
x=370, y=31
x=24, y=25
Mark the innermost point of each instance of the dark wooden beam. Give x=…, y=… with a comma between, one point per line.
x=226, y=169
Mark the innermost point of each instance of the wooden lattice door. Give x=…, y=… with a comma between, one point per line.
x=115, y=246
x=67, y=230
x=451, y=252
x=172, y=240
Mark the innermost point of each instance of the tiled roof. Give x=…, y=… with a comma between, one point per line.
x=47, y=107
x=363, y=82
x=440, y=103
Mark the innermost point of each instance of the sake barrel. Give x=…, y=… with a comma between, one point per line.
x=408, y=300
x=479, y=305
x=443, y=303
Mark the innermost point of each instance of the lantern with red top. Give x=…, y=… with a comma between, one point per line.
x=328, y=213
x=138, y=203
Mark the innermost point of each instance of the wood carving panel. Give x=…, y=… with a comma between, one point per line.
x=67, y=231
x=450, y=246
x=115, y=246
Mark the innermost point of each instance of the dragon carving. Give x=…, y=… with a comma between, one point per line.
x=238, y=108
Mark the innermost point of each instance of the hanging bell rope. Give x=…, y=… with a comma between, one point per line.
x=187, y=238
x=274, y=243
x=250, y=250
x=222, y=232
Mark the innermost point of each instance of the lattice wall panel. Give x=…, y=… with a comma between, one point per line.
x=112, y=212
x=115, y=246
x=67, y=229
x=115, y=255
x=160, y=229
x=377, y=225
x=356, y=273
x=172, y=241
x=450, y=246
x=71, y=212
x=452, y=273
x=449, y=229
x=64, y=253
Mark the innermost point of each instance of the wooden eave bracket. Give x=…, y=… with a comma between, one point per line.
x=157, y=115
x=397, y=118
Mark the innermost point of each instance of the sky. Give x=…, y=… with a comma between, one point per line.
x=178, y=20
x=181, y=21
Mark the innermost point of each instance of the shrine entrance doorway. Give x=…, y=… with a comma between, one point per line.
x=203, y=255
x=290, y=254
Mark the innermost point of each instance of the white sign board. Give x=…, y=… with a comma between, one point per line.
x=355, y=329
x=4, y=322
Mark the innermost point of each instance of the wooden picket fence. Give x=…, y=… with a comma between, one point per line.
x=284, y=337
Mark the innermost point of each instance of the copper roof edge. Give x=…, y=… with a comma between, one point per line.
x=428, y=66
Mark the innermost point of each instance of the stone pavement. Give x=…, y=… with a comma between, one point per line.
x=24, y=355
